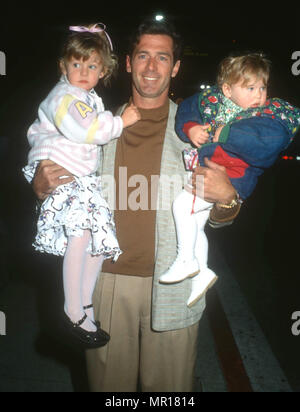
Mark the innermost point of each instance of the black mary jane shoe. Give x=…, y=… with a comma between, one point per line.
x=104, y=335
x=84, y=338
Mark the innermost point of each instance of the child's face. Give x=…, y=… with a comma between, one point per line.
x=254, y=94
x=84, y=74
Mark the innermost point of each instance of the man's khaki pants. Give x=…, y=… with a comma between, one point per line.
x=137, y=358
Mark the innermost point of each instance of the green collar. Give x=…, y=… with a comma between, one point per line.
x=228, y=110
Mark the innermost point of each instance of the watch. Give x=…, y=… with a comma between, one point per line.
x=232, y=204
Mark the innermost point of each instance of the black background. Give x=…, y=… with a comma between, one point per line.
x=262, y=246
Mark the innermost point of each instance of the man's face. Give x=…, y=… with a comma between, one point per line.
x=152, y=67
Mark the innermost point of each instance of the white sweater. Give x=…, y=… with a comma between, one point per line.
x=71, y=124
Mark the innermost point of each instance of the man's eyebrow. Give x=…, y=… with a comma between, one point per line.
x=147, y=52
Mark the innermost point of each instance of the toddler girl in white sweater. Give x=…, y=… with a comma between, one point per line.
x=75, y=220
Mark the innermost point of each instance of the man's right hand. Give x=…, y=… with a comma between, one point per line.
x=47, y=177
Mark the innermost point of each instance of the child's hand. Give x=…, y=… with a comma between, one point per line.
x=217, y=134
x=130, y=116
x=198, y=135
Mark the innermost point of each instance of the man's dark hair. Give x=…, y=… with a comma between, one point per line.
x=151, y=26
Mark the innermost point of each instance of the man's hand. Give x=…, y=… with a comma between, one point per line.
x=213, y=183
x=48, y=177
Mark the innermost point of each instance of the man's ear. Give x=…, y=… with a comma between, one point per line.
x=226, y=89
x=128, y=64
x=176, y=69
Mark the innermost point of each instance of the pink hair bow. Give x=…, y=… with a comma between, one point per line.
x=93, y=29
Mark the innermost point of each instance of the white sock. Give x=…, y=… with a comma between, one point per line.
x=73, y=267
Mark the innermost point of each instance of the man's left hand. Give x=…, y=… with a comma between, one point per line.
x=214, y=183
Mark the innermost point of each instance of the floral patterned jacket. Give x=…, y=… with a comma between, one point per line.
x=250, y=141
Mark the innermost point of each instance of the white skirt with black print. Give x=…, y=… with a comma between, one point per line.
x=71, y=209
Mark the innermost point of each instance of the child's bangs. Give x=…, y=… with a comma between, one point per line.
x=252, y=76
x=81, y=47
x=81, y=53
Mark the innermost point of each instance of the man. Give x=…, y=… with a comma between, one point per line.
x=153, y=333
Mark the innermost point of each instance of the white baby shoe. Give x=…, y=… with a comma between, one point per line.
x=200, y=285
x=180, y=270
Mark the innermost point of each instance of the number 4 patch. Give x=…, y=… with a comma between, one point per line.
x=83, y=109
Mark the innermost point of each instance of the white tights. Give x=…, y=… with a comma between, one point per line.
x=80, y=274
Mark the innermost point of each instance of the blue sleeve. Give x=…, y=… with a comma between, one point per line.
x=258, y=140
x=188, y=111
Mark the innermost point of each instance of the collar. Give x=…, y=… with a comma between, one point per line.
x=227, y=110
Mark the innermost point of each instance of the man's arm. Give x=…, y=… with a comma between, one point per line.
x=47, y=177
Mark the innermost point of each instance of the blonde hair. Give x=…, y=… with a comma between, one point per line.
x=82, y=45
x=233, y=69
